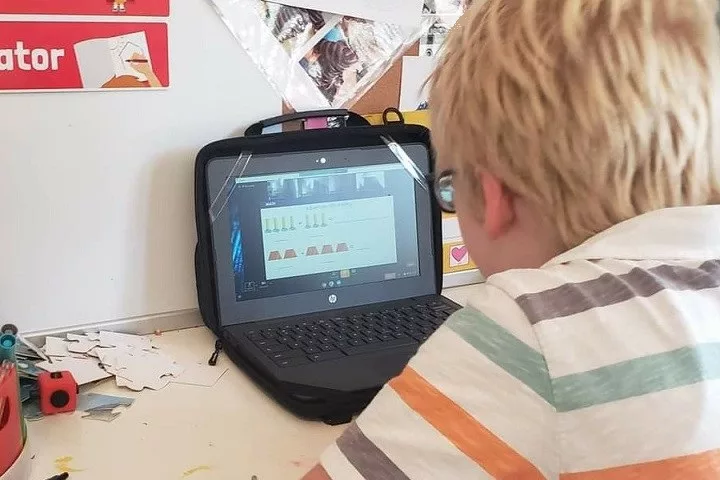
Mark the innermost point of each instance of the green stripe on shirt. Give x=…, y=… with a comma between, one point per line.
x=640, y=376
x=504, y=349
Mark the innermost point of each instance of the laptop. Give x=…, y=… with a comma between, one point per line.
x=327, y=270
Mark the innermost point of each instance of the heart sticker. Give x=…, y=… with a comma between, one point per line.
x=458, y=253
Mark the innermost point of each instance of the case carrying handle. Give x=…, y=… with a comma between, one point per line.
x=353, y=119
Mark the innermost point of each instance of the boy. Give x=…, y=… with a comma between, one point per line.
x=579, y=145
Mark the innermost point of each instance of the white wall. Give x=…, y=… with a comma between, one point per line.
x=97, y=215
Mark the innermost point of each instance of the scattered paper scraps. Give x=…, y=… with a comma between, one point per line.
x=31, y=410
x=97, y=401
x=56, y=347
x=28, y=350
x=112, y=339
x=138, y=369
x=27, y=369
x=84, y=370
x=131, y=359
x=102, y=415
x=202, y=375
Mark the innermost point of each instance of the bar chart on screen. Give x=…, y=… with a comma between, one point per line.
x=324, y=237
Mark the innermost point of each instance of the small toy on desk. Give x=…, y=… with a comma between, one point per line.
x=58, y=392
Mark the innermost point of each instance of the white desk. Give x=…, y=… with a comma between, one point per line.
x=230, y=431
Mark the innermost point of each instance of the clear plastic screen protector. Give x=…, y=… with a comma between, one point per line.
x=296, y=233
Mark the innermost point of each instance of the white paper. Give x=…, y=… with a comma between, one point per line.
x=415, y=71
x=84, y=370
x=201, y=375
x=80, y=343
x=56, y=347
x=399, y=12
x=137, y=369
x=112, y=339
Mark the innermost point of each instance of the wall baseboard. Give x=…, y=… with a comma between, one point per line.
x=180, y=319
x=142, y=325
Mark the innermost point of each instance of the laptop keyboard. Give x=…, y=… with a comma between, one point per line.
x=331, y=338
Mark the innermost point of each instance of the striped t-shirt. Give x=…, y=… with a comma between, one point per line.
x=602, y=364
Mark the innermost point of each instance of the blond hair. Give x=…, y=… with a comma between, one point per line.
x=594, y=110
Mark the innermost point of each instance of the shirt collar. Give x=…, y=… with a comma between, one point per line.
x=683, y=233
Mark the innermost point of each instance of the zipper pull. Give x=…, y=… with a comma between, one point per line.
x=214, y=358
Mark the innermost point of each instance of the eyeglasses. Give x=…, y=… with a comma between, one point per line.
x=442, y=184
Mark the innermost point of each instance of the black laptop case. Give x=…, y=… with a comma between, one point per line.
x=330, y=406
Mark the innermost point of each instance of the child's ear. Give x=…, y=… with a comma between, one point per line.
x=499, y=211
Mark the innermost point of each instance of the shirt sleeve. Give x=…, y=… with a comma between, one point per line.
x=475, y=402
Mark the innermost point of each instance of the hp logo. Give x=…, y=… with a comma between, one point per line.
x=332, y=299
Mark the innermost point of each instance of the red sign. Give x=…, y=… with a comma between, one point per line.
x=157, y=8
x=83, y=56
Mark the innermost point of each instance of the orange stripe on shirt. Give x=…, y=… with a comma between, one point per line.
x=704, y=465
x=317, y=473
x=477, y=442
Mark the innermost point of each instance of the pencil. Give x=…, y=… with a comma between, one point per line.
x=139, y=60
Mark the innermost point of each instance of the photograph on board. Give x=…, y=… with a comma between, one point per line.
x=351, y=53
x=293, y=27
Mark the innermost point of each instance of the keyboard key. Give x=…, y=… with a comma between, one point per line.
x=419, y=336
x=295, y=345
x=311, y=350
x=371, y=339
x=326, y=347
x=293, y=362
x=356, y=341
x=400, y=335
x=264, y=342
x=322, y=356
x=380, y=346
x=272, y=334
x=386, y=337
x=274, y=348
x=288, y=354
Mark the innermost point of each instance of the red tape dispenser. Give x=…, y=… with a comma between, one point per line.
x=58, y=392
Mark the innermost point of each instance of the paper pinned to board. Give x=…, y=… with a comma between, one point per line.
x=398, y=12
x=413, y=89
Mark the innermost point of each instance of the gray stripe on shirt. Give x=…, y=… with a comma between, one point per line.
x=609, y=289
x=366, y=457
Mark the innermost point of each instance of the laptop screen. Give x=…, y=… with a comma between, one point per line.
x=304, y=232
x=322, y=230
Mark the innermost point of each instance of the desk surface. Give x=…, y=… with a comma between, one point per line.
x=230, y=431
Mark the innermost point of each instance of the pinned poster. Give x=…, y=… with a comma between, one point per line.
x=61, y=56
x=151, y=8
